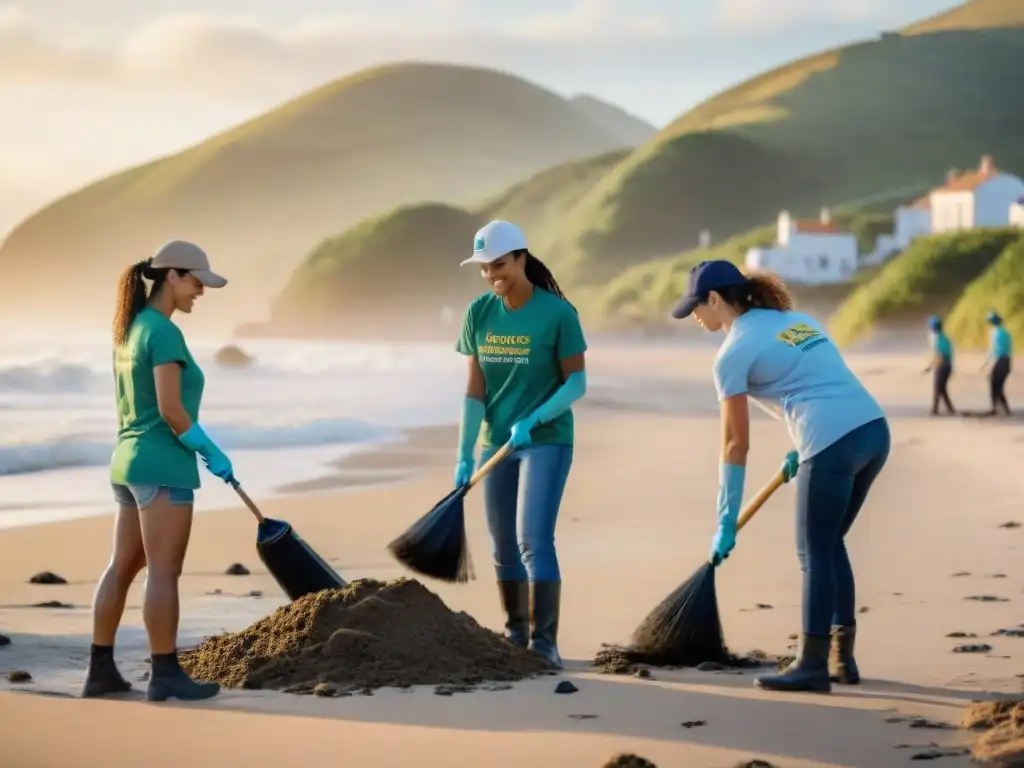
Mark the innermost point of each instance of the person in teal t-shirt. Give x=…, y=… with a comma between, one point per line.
x=526, y=352
x=941, y=364
x=158, y=388
x=1000, y=354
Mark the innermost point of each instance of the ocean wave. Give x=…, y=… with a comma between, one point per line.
x=91, y=450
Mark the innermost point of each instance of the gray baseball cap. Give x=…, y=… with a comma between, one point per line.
x=181, y=254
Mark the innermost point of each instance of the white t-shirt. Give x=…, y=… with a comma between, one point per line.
x=787, y=363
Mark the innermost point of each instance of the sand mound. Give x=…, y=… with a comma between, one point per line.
x=1002, y=741
x=369, y=635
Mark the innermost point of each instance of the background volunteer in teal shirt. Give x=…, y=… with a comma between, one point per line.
x=786, y=362
x=526, y=369
x=941, y=364
x=158, y=388
x=1000, y=355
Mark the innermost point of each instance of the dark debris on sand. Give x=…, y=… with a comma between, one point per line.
x=47, y=577
x=369, y=635
x=628, y=760
x=623, y=660
x=4, y=640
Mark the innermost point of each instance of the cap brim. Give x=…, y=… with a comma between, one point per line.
x=685, y=307
x=475, y=259
x=209, y=279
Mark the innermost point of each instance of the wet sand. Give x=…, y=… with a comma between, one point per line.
x=637, y=518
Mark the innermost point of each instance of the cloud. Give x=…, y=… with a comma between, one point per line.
x=766, y=16
x=236, y=55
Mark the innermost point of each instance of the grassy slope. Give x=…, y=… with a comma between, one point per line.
x=1000, y=287
x=423, y=245
x=928, y=277
x=643, y=294
x=836, y=126
x=259, y=195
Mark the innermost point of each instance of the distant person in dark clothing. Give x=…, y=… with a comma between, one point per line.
x=941, y=365
x=1000, y=354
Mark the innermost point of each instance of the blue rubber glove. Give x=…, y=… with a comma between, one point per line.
x=196, y=439
x=730, y=496
x=473, y=413
x=790, y=465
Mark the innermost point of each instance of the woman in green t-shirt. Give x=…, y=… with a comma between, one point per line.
x=526, y=353
x=153, y=469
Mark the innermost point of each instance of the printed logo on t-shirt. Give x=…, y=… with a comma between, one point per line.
x=803, y=336
x=508, y=349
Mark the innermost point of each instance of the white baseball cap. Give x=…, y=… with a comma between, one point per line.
x=494, y=240
x=181, y=254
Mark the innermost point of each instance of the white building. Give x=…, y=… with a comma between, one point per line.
x=909, y=223
x=808, y=251
x=978, y=198
x=1017, y=213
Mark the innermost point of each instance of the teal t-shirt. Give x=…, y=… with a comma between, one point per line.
x=1001, y=343
x=520, y=352
x=147, y=451
x=942, y=346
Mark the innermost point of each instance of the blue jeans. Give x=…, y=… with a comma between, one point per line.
x=142, y=496
x=522, y=496
x=831, y=489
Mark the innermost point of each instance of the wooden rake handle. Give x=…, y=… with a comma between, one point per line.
x=248, y=502
x=491, y=463
x=758, y=501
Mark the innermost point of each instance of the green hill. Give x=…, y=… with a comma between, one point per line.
x=1000, y=287
x=388, y=275
x=260, y=195
x=880, y=115
x=340, y=287
x=926, y=278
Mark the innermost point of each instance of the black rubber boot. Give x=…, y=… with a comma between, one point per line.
x=547, y=597
x=169, y=681
x=808, y=672
x=102, y=678
x=515, y=601
x=842, y=665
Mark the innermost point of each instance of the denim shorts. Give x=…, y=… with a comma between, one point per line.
x=142, y=496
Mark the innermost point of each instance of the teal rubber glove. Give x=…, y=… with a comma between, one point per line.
x=730, y=495
x=196, y=439
x=572, y=389
x=521, y=430
x=473, y=413
x=790, y=466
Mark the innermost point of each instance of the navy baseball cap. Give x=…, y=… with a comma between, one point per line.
x=706, y=277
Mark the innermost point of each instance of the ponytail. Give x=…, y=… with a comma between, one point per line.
x=761, y=290
x=538, y=273
x=132, y=296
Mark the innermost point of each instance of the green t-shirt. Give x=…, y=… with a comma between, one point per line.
x=147, y=451
x=519, y=352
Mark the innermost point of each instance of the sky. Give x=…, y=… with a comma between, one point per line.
x=88, y=87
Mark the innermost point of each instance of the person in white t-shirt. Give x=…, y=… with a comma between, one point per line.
x=786, y=362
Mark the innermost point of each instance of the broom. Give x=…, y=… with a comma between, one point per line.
x=435, y=545
x=685, y=628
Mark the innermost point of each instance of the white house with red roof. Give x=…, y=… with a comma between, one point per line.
x=810, y=251
x=977, y=198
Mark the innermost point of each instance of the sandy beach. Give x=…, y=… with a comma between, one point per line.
x=637, y=519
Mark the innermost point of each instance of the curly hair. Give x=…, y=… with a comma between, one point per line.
x=761, y=290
